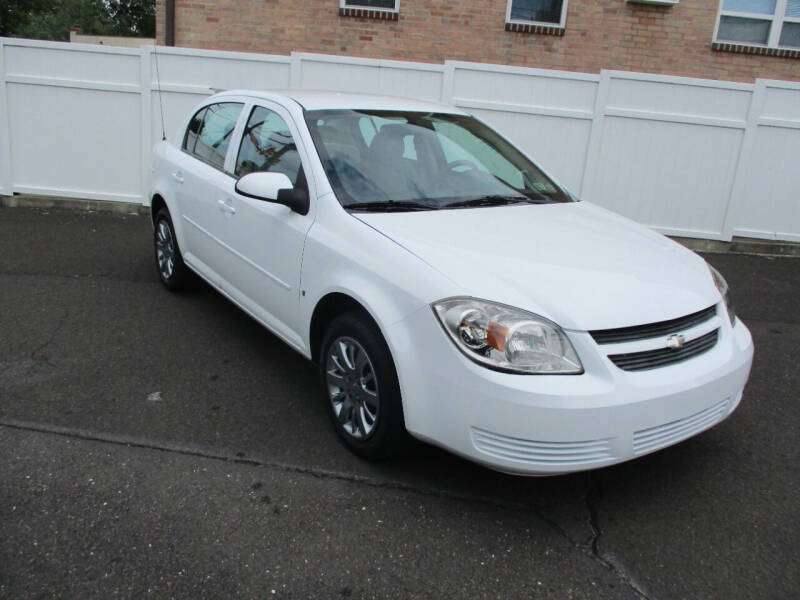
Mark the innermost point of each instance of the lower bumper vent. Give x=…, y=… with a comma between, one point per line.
x=541, y=453
x=654, y=438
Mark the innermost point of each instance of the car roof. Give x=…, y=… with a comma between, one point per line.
x=322, y=99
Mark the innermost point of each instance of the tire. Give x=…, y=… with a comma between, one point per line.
x=172, y=271
x=372, y=427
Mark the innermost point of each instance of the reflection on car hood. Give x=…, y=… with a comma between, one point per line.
x=575, y=263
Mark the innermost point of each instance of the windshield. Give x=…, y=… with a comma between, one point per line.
x=394, y=160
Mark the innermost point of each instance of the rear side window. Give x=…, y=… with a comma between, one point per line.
x=210, y=130
x=267, y=145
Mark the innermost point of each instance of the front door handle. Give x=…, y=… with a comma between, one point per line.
x=226, y=206
x=178, y=176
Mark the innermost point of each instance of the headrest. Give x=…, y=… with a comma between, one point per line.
x=389, y=141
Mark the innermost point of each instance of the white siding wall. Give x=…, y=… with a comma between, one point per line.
x=685, y=156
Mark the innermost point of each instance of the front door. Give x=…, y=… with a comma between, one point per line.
x=265, y=238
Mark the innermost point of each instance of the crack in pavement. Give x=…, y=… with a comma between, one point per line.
x=239, y=458
x=50, y=338
x=594, y=494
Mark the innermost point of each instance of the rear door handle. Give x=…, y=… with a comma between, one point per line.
x=178, y=176
x=226, y=206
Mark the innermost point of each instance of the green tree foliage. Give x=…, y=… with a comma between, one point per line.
x=14, y=14
x=133, y=17
x=52, y=19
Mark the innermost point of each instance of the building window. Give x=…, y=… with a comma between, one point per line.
x=375, y=9
x=759, y=27
x=373, y=4
x=537, y=16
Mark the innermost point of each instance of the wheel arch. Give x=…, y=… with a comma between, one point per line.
x=161, y=198
x=157, y=202
x=330, y=306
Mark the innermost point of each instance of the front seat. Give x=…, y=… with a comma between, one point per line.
x=387, y=166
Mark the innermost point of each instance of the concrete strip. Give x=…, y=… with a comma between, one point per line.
x=742, y=246
x=102, y=206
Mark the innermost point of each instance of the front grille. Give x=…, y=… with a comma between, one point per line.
x=641, y=332
x=544, y=454
x=651, y=359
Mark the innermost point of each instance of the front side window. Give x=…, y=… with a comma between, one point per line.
x=267, y=145
x=769, y=23
x=209, y=140
x=539, y=12
x=391, y=5
x=394, y=160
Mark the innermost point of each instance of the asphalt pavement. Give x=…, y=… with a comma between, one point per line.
x=160, y=445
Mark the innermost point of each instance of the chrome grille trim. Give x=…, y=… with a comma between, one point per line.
x=541, y=453
x=653, y=438
x=652, y=359
x=641, y=332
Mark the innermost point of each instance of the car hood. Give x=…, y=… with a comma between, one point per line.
x=577, y=264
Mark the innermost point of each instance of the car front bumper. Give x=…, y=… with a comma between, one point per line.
x=552, y=424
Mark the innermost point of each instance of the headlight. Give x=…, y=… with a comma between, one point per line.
x=723, y=288
x=506, y=338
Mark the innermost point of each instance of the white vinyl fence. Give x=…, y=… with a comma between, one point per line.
x=687, y=157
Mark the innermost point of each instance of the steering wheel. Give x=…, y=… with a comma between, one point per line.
x=471, y=166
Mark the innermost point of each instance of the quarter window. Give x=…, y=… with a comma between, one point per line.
x=209, y=132
x=537, y=12
x=768, y=23
x=267, y=145
x=190, y=139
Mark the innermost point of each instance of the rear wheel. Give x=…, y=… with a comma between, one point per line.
x=360, y=388
x=174, y=274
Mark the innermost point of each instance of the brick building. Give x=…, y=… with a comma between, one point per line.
x=736, y=40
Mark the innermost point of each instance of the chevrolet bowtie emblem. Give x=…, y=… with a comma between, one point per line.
x=675, y=341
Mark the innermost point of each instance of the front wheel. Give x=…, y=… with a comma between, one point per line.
x=360, y=388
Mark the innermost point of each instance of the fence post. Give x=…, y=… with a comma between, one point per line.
x=146, y=116
x=595, y=136
x=447, y=81
x=744, y=159
x=295, y=71
x=6, y=182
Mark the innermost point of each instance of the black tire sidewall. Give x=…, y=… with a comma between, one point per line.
x=389, y=436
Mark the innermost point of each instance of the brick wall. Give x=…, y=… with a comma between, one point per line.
x=600, y=34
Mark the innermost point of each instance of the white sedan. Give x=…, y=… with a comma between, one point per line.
x=447, y=287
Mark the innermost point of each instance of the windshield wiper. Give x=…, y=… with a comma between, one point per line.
x=389, y=206
x=494, y=200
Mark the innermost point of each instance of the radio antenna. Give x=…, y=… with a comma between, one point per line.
x=160, y=101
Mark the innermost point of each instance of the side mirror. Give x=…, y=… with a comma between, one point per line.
x=273, y=187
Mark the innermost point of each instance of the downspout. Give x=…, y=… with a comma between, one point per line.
x=170, y=24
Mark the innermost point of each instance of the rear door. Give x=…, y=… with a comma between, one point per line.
x=200, y=173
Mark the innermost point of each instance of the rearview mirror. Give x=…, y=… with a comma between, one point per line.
x=273, y=187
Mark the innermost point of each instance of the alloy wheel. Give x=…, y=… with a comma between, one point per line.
x=352, y=387
x=165, y=249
